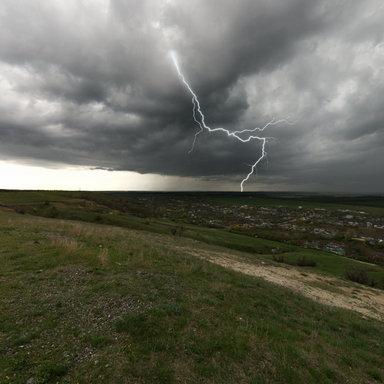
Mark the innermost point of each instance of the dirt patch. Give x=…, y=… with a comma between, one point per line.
x=368, y=302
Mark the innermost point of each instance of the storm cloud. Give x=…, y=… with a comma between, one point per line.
x=91, y=83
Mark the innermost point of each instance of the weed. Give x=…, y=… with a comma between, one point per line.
x=66, y=243
x=103, y=256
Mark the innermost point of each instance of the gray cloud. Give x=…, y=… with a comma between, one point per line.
x=91, y=83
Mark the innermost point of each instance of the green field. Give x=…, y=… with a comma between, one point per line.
x=92, y=303
x=87, y=206
x=372, y=205
x=93, y=293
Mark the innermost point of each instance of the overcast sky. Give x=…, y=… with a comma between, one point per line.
x=89, y=98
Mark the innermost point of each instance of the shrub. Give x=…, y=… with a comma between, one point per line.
x=305, y=262
x=279, y=258
x=359, y=276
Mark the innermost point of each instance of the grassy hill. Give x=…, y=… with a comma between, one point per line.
x=92, y=207
x=90, y=303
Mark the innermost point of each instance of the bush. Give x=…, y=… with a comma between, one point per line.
x=359, y=276
x=301, y=262
x=305, y=262
x=279, y=258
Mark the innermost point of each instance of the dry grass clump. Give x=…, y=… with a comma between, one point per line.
x=66, y=243
x=103, y=256
x=77, y=230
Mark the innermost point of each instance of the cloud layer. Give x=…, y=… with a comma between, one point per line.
x=91, y=83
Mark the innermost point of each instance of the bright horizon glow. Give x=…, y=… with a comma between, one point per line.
x=19, y=176
x=14, y=175
x=22, y=176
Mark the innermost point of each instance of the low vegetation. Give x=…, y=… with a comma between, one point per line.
x=168, y=214
x=106, y=287
x=90, y=303
x=302, y=261
x=305, y=262
x=359, y=275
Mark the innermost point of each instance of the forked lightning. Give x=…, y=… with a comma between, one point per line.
x=200, y=121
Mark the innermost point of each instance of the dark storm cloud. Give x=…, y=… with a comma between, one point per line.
x=91, y=83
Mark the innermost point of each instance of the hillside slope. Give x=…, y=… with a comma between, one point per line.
x=92, y=303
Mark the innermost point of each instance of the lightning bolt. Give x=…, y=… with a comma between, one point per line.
x=199, y=118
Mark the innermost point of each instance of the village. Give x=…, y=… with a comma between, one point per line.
x=347, y=232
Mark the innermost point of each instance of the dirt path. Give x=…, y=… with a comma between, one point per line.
x=327, y=290
x=368, y=302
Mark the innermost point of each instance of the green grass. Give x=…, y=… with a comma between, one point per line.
x=333, y=264
x=29, y=197
x=373, y=206
x=92, y=303
x=72, y=206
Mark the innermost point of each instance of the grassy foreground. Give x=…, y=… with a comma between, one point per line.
x=88, y=303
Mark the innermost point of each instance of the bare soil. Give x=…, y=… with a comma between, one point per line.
x=368, y=302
